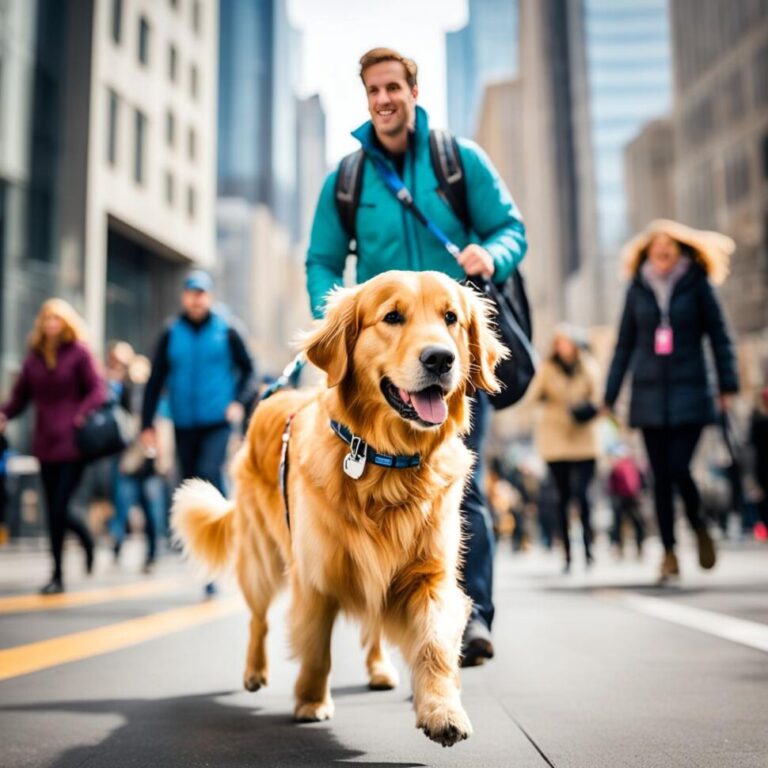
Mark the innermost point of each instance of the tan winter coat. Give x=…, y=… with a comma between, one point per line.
x=559, y=437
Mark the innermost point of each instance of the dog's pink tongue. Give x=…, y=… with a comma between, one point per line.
x=430, y=405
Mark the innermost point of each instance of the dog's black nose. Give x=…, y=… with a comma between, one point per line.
x=437, y=360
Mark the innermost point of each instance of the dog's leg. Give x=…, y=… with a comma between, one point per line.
x=382, y=675
x=312, y=617
x=430, y=640
x=258, y=582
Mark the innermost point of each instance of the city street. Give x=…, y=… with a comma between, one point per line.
x=595, y=669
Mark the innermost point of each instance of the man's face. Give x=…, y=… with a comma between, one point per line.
x=196, y=304
x=391, y=101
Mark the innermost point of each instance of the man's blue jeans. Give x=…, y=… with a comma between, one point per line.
x=478, y=560
x=150, y=493
x=202, y=452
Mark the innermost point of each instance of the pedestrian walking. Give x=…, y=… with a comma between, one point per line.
x=59, y=377
x=625, y=486
x=670, y=307
x=566, y=389
x=134, y=479
x=202, y=361
x=397, y=140
x=758, y=437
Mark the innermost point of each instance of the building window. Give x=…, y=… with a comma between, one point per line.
x=764, y=155
x=170, y=188
x=117, y=20
x=191, y=202
x=191, y=144
x=140, y=146
x=143, y=40
x=170, y=128
x=114, y=113
x=760, y=77
x=173, y=62
x=193, y=81
x=735, y=103
x=737, y=181
x=196, y=16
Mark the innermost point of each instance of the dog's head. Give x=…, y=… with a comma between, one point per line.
x=406, y=347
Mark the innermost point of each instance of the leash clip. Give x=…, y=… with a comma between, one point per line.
x=356, y=459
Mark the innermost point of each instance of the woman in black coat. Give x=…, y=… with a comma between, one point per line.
x=670, y=307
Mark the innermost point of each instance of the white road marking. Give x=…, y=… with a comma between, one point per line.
x=749, y=633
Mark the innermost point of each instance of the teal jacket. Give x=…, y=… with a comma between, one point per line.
x=389, y=237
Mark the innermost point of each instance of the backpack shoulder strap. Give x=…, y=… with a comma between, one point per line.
x=349, y=183
x=447, y=165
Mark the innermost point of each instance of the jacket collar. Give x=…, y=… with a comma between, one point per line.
x=366, y=136
x=695, y=273
x=196, y=325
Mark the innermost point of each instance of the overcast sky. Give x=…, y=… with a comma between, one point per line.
x=336, y=33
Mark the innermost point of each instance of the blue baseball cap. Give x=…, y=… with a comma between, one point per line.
x=198, y=281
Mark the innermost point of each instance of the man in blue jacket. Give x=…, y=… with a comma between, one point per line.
x=388, y=237
x=202, y=362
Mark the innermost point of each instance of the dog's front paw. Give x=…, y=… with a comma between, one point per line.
x=313, y=711
x=445, y=723
x=252, y=681
x=383, y=676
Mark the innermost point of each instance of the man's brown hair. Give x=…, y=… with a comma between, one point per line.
x=377, y=55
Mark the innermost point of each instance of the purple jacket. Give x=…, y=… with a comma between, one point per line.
x=61, y=397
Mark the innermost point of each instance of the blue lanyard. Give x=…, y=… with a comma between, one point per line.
x=396, y=186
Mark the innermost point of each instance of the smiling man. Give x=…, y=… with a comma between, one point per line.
x=357, y=205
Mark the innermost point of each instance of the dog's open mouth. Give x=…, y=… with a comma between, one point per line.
x=426, y=406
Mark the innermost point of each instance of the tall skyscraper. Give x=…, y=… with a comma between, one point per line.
x=630, y=82
x=483, y=51
x=260, y=58
x=312, y=166
x=246, y=88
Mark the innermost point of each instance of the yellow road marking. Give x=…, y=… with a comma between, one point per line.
x=93, y=642
x=25, y=603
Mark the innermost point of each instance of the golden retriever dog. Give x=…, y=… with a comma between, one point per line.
x=401, y=353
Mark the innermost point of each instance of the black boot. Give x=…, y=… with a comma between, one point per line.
x=54, y=587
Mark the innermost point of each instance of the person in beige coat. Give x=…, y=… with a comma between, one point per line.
x=566, y=388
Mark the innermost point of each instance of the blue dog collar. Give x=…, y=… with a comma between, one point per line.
x=362, y=452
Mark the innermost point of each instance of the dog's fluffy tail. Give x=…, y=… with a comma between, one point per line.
x=203, y=520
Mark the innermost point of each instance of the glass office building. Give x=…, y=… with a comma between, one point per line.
x=483, y=51
x=630, y=82
x=32, y=51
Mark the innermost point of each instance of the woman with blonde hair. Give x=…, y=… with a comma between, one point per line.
x=60, y=378
x=670, y=307
x=566, y=386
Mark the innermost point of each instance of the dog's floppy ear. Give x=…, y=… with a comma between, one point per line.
x=330, y=345
x=484, y=347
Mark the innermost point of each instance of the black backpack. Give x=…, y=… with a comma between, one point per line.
x=513, y=320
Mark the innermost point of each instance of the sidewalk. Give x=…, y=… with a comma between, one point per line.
x=582, y=678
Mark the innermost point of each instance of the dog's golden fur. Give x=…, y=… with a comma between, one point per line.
x=384, y=548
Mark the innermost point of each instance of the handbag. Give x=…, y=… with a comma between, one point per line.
x=734, y=471
x=107, y=430
x=584, y=412
x=512, y=321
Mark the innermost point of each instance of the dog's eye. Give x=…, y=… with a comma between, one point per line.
x=394, y=318
x=450, y=317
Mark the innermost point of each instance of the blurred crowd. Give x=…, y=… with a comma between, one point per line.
x=182, y=415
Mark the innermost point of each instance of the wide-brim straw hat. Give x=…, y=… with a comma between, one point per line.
x=710, y=249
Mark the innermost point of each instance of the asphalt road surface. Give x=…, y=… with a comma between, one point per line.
x=594, y=669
